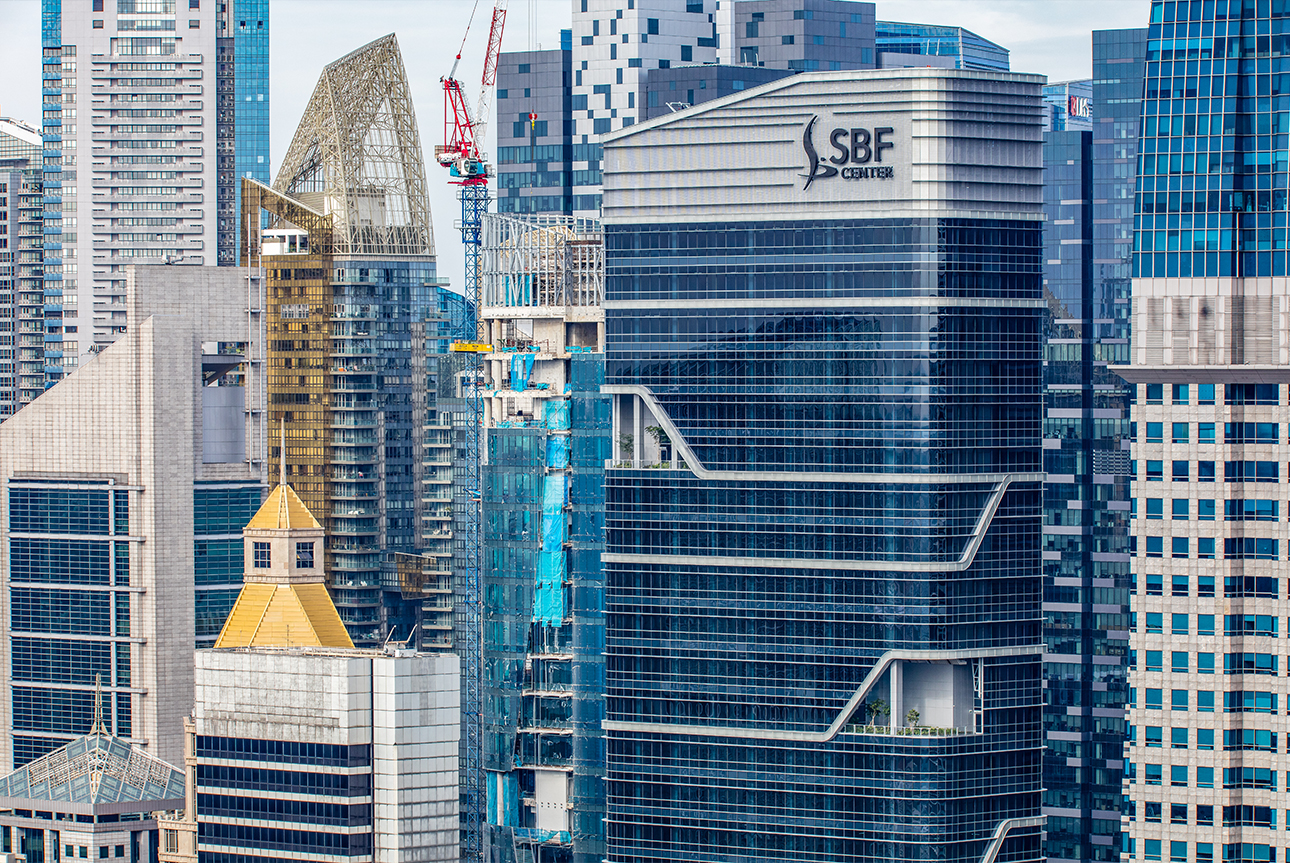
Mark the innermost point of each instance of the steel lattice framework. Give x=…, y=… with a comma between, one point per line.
x=357, y=157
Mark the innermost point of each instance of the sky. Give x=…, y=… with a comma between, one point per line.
x=1048, y=37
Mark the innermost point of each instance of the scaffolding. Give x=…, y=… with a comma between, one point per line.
x=542, y=262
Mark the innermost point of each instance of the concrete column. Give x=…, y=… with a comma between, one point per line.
x=897, y=688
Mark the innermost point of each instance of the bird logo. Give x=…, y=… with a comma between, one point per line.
x=817, y=169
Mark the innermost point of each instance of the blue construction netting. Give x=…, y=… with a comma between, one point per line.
x=503, y=800
x=521, y=368
x=556, y=414
x=557, y=451
x=548, y=598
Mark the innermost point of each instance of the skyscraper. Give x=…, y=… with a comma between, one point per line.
x=1209, y=362
x=156, y=467
x=1089, y=176
x=144, y=174
x=22, y=312
x=962, y=48
x=548, y=432
x=353, y=311
x=822, y=604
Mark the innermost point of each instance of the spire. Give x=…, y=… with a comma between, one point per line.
x=97, y=726
x=284, y=517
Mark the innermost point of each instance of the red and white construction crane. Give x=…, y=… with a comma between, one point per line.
x=461, y=153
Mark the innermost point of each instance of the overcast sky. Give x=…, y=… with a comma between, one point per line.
x=1049, y=37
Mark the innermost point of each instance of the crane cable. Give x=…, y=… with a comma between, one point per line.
x=464, y=36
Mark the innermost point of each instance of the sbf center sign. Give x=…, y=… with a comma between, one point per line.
x=856, y=154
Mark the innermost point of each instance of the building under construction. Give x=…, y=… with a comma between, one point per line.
x=548, y=438
x=354, y=315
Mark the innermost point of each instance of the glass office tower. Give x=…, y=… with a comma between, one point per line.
x=1088, y=196
x=1210, y=364
x=822, y=566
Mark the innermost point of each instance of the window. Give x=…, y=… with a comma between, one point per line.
x=1179, y=586
x=1236, y=625
x=1155, y=660
x=1155, y=432
x=1155, y=508
x=1204, y=585
x=786, y=40
x=1178, y=661
x=1205, y=547
x=1178, y=739
x=1155, y=546
x=1251, y=394
x=98, y=5
x=1249, y=585
x=194, y=24
x=1251, y=471
x=1205, y=394
x=751, y=29
x=651, y=26
x=1180, y=434
x=1155, y=621
x=170, y=838
x=1250, y=548
x=98, y=25
x=1178, y=850
x=1204, y=624
x=1181, y=471
x=1179, y=624
x=1205, y=508
x=1204, y=432
x=1205, y=738
x=1250, y=663
x=1180, y=394
x=1154, y=699
x=1153, y=775
x=1204, y=701
x=1204, y=779
x=1154, y=738
x=1181, y=509
x=1178, y=776
x=1204, y=663
x=304, y=555
x=1155, y=585
x=1205, y=471
x=1179, y=547
x=194, y=4
x=1179, y=700
x=261, y=552
x=687, y=53
x=1155, y=394
x=1204, y=816
x=1251, y=432
x=1155, y=470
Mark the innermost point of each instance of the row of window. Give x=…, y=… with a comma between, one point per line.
x=1233, y=816
x=1234, y=701
x=1179, y=661
x=1234, y=624
x=1234, y=852
x=1234, y=548
x=1233, y=394
x=1180, y=776
x=1206, y=471
x=1234, y=509
x=1233, y=433
x=1233, y=585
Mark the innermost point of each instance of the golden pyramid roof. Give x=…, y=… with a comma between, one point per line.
x=283, y=510
x=283, y=615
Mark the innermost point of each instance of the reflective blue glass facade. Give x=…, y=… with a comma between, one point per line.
x=1217, y=76
x=220, y=511
x=1088, y=197
x=969, y=50
x=849, y=398
x=69, y=605
x=250, y=30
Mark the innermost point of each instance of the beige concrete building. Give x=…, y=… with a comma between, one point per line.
x=120, y=486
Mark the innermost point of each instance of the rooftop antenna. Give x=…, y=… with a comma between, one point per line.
x=282, y=451
x=97, y=726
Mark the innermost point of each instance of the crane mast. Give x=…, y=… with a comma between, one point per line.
x=462, y=154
